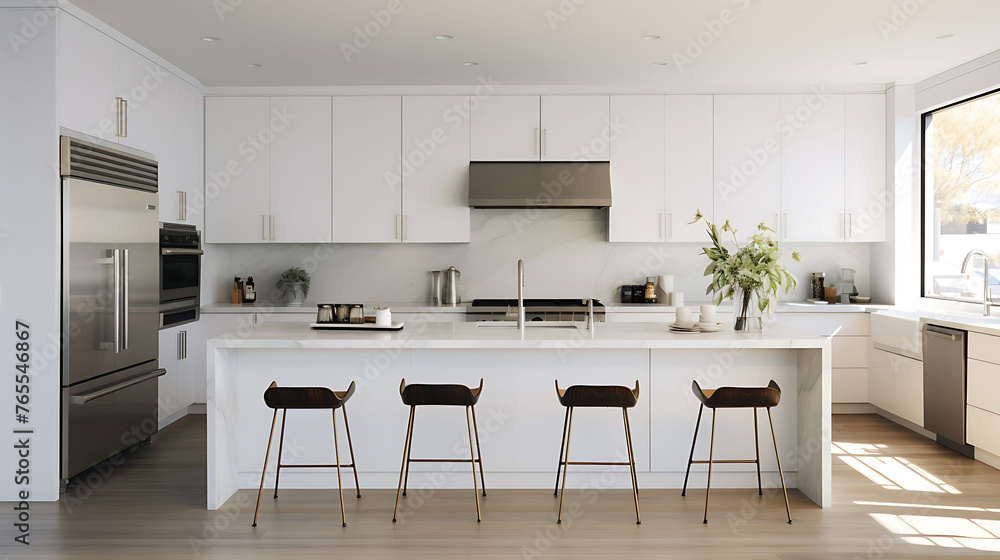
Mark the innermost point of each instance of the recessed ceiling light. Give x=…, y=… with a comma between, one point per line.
x=946, y=36
x=255, y=65
x=658, y=63
x=443, y=37
x=210, y=39
x=650, y=37
x=861, y=63
x=470, y=64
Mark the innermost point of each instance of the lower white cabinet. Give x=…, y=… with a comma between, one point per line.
x=177, y=387
x=982, y=429
x=210, y=326
x=896, y=385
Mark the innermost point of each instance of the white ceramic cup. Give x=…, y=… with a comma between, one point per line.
x=383, y=317
x=707, y=314
x=683, y=317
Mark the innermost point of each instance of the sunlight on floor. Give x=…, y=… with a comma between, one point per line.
x=948, y=532
x=891, y=473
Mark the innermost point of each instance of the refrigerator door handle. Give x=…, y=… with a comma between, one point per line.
x=125, y=296
x=116, y=265
x=84, y=399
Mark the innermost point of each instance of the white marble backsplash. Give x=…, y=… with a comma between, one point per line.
x=566, y=255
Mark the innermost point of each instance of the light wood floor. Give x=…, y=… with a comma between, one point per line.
x=152, y=506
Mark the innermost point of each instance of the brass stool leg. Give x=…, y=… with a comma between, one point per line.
x=264, y=470
x=406, y=478
x=281, y=445
x=482, y=475
x=402, y=468
x=357, y=485
x=788, y=510
x=562, y=446
x=562, y=496
x=340, y=484
x=691, y=457
x=472, y=453
x=756, y=443
x=711, y=452
x=631, y=464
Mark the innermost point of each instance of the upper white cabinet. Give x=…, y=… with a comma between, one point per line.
x=747, y=161
x=88, y=79
x=366, y=162
x=507, y=128
x=812, y=167
x=301, y=192
x=179, y=151
x=434, y=170
x=864, y=166
x=637, y=169
x=576, y=128
x=689, y=165
x=237, y=170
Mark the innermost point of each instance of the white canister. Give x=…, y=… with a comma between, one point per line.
x=383, y=317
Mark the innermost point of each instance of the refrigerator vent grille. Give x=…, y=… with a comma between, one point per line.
x=90, y=161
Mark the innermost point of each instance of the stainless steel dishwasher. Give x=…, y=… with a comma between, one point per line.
x=944, y=385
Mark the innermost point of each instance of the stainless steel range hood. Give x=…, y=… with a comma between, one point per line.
x=539, y=184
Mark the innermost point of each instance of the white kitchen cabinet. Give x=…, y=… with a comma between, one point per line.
x=237, y=169
x=881, y=380
x=301, y=179
x=690, y=144
x=177, y=386
x=984, y=347
x=982, y=429
x=366, y=162
x=637, y=169
x=864, y=166
x=211, y=325
x=506, y=128
x=850, y=351
x=909, y=385
x=983, y=385
x=850, y=385
x=88, y=79
x=435, y=170
x=812, y=167
x=138, y=84
x=576, y=128
x=747, y=161
x=179, y=151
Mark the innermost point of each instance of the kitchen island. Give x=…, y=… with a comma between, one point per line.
x=520, y=419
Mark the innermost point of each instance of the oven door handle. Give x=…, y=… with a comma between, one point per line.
x=166, y=252
x=84, y=399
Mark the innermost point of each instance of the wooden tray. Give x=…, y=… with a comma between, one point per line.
x=356, y=327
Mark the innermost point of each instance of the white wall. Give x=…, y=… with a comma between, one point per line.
x=29, y=243
x=565, y=252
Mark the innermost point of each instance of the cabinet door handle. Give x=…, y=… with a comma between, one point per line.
x=184, y=357
x=843, y=227
x=272, y=225
x=180, y=345
x=659, y=226
x=119, y=128
x=544, y=141
x=263, y=226
x=180, y=205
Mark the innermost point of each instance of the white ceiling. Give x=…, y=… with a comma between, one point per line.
x=558, y=42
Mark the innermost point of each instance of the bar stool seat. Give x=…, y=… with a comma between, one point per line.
x=736, y=397
x=307, y=398
x=595, y=396
x=424, y=394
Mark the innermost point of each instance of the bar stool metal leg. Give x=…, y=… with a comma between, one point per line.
x=562, y=446
x=270, y=436
x=281, y=445
x=479, y=515
x=562, y=496
x=340, y=484
x=350, y=446
x=402, y=468
x=406, y=478
x=479, y=451
x=631, y=465
x=788, y=510
x=756, y=443
x=711, y=457
x=691, y=457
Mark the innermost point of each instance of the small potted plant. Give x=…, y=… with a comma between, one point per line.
x=294, y=285
x=751, y=274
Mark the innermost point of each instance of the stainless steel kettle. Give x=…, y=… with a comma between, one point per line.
x=451, y=276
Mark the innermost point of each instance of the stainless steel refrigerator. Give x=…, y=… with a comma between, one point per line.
x=110, y=302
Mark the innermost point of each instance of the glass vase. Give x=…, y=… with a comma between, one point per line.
x=747, y=316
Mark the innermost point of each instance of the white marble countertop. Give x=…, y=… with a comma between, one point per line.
x=310, y=308
x=469, y=335
x=961, y=321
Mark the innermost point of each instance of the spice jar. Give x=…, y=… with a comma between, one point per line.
x=818, y=279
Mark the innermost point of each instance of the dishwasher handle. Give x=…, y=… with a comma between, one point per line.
x=940, y=332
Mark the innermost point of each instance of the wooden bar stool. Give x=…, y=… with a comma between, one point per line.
x=307, y=398
x=589, y=396
x=441, y=395
x=737, y=397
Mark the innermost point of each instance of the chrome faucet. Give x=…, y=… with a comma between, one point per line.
x=590, y=314
x=520, y=296
x=987, y=300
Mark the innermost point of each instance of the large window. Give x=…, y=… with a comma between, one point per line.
x=961, y=174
